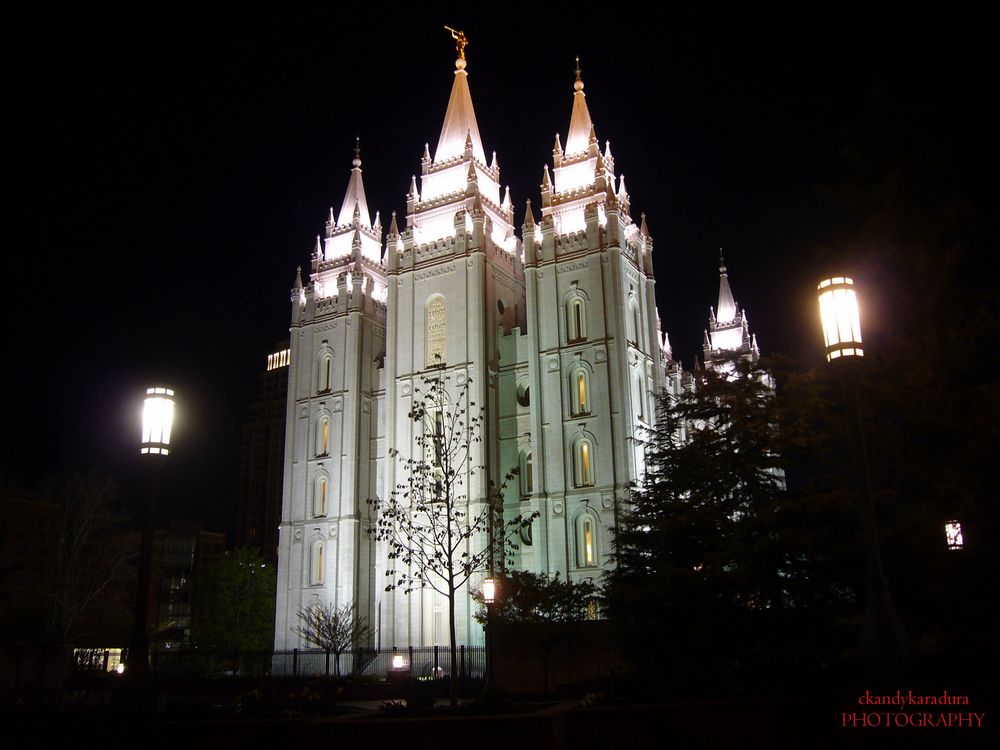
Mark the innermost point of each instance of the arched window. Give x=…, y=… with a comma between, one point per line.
x=583, y=462
x=638, y=396
x=633, y=323
x=323, y=436
x=579, y=392
x=576, y=319
x=320, y=494
x=317, y=563
x=526, y=480
x=436, y=334
x=324, y=373
x=586, y=541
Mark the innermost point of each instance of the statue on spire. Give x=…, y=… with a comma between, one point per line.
x=460, y=41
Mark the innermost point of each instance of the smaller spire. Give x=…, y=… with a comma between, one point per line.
x=579, y=75
x=298, y=278
x=622, y=192
x=593, y=134
x=468, y=141
x=413, y=188
x=642, y=225
x=546, y=182
x=727, y=305
x=607, y=151
x=494, y=165
x=506, y=199
x=378, y=220
x=427, y=153
x=557, y=148
x=471, y=174
x=529, y=218
x=331, y=221
x=393, y=228
x=318, y=250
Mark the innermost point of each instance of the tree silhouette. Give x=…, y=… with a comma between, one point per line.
x=333, y=629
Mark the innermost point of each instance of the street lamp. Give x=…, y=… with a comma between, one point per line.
x=157, y=422
x=489, y=596
x=882, y=638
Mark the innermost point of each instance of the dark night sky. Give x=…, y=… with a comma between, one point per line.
x=171, y=168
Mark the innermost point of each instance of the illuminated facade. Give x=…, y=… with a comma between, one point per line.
x=553, y=324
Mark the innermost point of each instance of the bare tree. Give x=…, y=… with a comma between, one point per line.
x=333, y=629
x=436, y=536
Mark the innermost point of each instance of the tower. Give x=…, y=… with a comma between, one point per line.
x=335, y=395
x=728, y=333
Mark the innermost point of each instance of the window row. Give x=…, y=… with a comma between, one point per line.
x=576, y=319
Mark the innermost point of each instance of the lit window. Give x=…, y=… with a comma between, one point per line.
x=586, y=541
x=320, y=497
x=953, y=533
x=576, y=319
x=583, y=463
x=323, y=437
x=317, y=563
x=580, y=392
x=325, y=368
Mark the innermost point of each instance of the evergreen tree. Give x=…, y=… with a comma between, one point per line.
x=235, y=603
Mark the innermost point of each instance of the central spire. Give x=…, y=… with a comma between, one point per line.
x=726, y=311
x=580, y=124
x=460, y=119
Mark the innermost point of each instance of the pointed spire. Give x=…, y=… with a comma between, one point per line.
x=505, y=205
x=529, y=218
x=393, y=228
x=427, y=153
x=298, y=278
x=459, y=121
x=607, y=151
x=580, y=125
x=494, y=165
x=727, y=305
x=557, y=148
x=622, y=192
x=355, y=206
x=378, y=220
x=546, y=182
x=643, y=229
x=318, y=250
x=593, y=134
x=471, y=173
x=413, y=188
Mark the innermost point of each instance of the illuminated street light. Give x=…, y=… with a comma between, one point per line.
x=838, y=310
x=883, y=642
x=489, y=590
x=953, y=533
x=157, y=421
x=489, y=597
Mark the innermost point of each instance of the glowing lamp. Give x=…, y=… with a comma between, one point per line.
x=157, y=419
x=838, y=310
x=120, y=668
x=489, y=590
x=398, y=662
x=953, y=533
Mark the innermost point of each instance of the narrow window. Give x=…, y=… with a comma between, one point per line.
x=317, y=563
x=576, y=322
x=526, y=478
x=320, y=497
x=583, y=463
x=588, y=542
x=634, y=324
x=323, y=437
x=580, y=392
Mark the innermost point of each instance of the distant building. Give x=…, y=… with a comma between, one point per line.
x=262, y=452
x=180, y=557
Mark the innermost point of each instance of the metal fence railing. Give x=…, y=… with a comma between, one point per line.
x=369, y=665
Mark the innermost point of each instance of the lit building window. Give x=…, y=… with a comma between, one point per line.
x=953, y=533
x=317, y=563
x=576, y=319
x=580, y=392
x=320, y=496
x=325, y=372
x=586, y=541
x=323, y=437
x=583, y=463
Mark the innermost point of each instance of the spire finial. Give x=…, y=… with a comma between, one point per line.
x=357, y=152
x=722, y=262
x=461, y=41
x=578, y=85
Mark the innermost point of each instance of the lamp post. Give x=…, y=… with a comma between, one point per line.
x=883, y=642
x=489, y=596
x=157, y=422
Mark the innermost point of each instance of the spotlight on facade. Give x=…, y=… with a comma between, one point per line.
x=953, y=533
x=157, y=419
x=838, y=310
x=398, y=662
x=489, y=590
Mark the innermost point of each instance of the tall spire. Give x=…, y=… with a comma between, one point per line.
x=460, y=118
x=580, y=125
x=355, y=201
x=726, y=311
